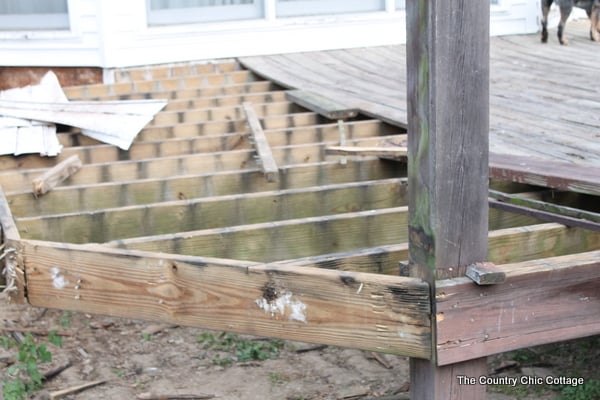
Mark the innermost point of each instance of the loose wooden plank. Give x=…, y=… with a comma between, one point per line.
x=475, y=320
x=53, y=177
x=366, y=311
x=485, y=273
x=268, y=164
x=322, y=105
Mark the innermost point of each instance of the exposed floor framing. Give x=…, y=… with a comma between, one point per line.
x=187, y=228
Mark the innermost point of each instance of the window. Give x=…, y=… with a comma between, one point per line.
x=168, y=12
x=296, y=8
x=33, y=15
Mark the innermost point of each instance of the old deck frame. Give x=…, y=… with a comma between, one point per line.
x=184, y=228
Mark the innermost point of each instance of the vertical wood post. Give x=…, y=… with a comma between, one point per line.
x=448, y=119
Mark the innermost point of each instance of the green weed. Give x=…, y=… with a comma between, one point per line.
x=24, y=376
x=239, y=349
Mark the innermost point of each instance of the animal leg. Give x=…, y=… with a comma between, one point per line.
x=545, y=10
x=565, y=11
x=595, y=22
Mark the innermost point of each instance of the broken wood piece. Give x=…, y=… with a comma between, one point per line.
x=380, y=359
x=64, y=392
x=320, y=104
x=55, y=175
x=157, y=328
x=265, y=154
x=485, y=273
x=367, y=151
x=156, y=396
x=56, y=371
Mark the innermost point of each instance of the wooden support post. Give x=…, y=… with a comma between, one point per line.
x=448, y=119
x=265, y=154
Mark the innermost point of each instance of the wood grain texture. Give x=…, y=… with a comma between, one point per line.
x=103, y=225
x=267, y=162
x=367, y=311
x=535, y=111
x=324, y=106
x=448, y=120
x=551, y=174
x=542, y=301
x=55, y=175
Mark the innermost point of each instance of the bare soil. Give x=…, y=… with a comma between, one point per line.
x=137, y=358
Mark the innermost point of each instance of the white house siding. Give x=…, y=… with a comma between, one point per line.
x=115, y=33
x=77, y=47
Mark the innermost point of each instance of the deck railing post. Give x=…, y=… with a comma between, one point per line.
x=448, y=119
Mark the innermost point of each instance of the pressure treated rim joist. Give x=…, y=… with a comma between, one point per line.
x=329, y=279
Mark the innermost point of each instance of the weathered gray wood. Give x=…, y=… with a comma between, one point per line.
x=448, y=118
x=542, y=301
x=556, y=175
x=268, y=164
x=485, y=273
x=366, y=311
x=320, y=104
x=532, y=114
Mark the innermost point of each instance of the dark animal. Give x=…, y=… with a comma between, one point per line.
x=591, y=7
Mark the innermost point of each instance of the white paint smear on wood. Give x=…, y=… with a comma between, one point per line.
x=284, y=304
x=58, y=279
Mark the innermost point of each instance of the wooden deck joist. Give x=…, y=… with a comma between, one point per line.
x=77, y=93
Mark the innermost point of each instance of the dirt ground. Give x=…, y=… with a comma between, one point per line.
x=137, y=358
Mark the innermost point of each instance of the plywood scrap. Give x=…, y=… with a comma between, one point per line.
x=54, y=176
x=265, y=154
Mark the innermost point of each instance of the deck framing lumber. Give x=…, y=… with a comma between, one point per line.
x=475, y=321
x=366, y=311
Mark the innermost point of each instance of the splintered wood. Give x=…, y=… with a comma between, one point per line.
x=57, y=174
